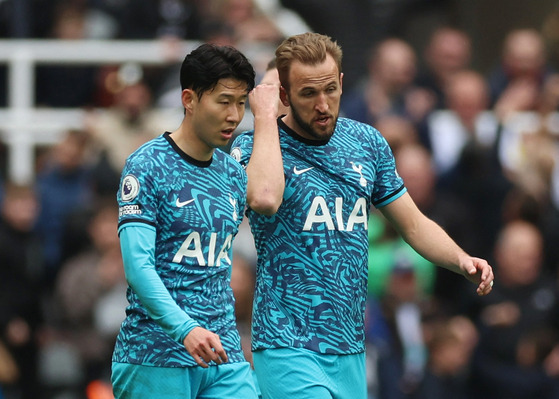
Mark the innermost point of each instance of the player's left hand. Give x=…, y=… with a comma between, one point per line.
x=478, y=271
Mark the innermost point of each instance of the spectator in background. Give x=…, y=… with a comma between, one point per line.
x=394, y=316
x=516, y=144
x=356, y=24
x=522, y=70
x=450, y=343
x=90, y=298
x=213, y=30
x=517, y=323
x=466, y=140
x=465, y=118
x=388, y=88
x=398, y=131
x=448, y=51
x=119, y=130
x=253, y=32
x=524, y=91
x=528, y=151
x=248, y=23
x=237, y=23
x=63, y=186
x=168, y=21
x=20, y=288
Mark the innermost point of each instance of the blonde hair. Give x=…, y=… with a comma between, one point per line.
x=307, y=48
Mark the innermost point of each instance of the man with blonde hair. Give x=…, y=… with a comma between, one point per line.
x=312, y=179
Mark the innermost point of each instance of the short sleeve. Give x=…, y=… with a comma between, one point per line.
x=241, y=149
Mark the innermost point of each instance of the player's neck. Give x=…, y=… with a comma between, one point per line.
x=191, y=145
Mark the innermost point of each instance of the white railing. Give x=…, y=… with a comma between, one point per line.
x=23, y=126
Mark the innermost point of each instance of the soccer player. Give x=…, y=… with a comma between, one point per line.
x=310, y=188
x=181, y=203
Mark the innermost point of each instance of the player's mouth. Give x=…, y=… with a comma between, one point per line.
x=227, y=133
x=323, y=120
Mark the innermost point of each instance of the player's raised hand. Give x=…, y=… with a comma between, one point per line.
x=204, y=346
x=264, y=100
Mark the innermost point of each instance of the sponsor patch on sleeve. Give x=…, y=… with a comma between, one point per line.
x=130, y=188
x=236, y=154
x=129, y=210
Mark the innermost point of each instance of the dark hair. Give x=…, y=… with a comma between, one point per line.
x=207, y=64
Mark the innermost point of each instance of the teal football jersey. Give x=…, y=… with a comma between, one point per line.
x=196, y=209
x=312, y=254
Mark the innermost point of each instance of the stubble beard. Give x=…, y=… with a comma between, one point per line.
x=307, y=128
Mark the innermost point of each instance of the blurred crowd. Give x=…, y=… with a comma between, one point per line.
x=478, y=152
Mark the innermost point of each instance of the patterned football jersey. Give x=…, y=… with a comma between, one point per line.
x=312, y=254
x=196, y=208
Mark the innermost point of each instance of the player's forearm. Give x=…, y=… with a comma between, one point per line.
x=139, y=267
x=424, y=235
x=266, y=180
x=435, y=245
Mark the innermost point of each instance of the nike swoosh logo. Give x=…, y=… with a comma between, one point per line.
x=181, y=204
x=300, y=171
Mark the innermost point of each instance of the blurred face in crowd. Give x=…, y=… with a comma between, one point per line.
x=20, y=208
x=103, y=229
x=415, y=167
x=519, y=253
x=70, y=152
x=237, y=11
x=448, y=52
x=524, y=54
x=314, y=98
x=133, y=100
x=394, y=65
x=467, y=95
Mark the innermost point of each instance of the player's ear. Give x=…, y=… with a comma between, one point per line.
x=283, y=96
x=341, y=80
x=187, y=97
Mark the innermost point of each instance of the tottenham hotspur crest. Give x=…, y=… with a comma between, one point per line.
x=359, y=169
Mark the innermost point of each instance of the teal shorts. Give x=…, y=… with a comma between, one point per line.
x=229, y=380
x=303, y=374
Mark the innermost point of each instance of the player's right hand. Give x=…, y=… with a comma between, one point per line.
x=204, y=346
x=264, y=100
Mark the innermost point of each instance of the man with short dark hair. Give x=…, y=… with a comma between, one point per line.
x=181, y=204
